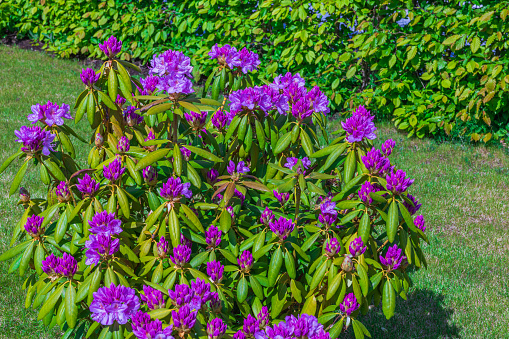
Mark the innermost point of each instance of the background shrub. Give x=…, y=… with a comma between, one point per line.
x=239, y=207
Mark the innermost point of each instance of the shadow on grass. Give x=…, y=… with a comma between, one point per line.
x=422, y=316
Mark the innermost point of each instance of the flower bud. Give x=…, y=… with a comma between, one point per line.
x=24, y=195
x=123, y=145
x=99, y=140
x=357, y=247
x=245, y=261
x=347, y=264
x=62, y=192
x=150, y=175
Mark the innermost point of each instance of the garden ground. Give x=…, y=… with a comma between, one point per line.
x=463, y=190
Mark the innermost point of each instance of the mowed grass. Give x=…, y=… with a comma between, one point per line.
x=464, y=292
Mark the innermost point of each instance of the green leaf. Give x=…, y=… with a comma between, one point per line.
x=9, y=160
x=310, y=241
x=106, y=100
x=71, y=311
x=256, y=287
x=318, y=276
x=388, y=300
x=203, y=153
x=307, y=146
x=392, y=221
x=12, y=252
x=173, y=223
x=123, y=202
x=225, y=221
x=25, y=259
x=333, y=286
x=50, y=302
x=152, y=157
x=350, y=166
x=54, y=169
x=475, y=45
x=364, y=280
x=156, y=109
x=290, y=265
x=365, y=228
x=192, y=217
x=17, y=179
x=242, y=288
x=61, y=227
x=152, y=218
x=283, y=143
x=359, y=334
x=112, y=86
x=275, y=266
x=309, y=306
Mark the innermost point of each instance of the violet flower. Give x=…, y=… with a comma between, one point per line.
x=184, y=319
x=250, y=326
x=278, y=100
x=62, y=192
x=216, y=328
x=144, y=327
x=282, y=227
x=397, y=182
x=100, y=246
x=332, y=247
x=184, y=295
x=89, y=77
x=114, y=304
x=366, y=189
x=196, y=120
x=419, y=223
x=33, y=226
x=376, y=163
x=185, y=153
x=149, y=84
x=319, y=100
x=215, y=271
x=327, y=219
x=150, y=175
x=245, y=261
x=359, y=126
x=225, y=55
x=388, y=146
x=239, y=335
x=393, y=258
x=248, y=61
x=132, y=118
x=263, y=317
x=283, y=81
x=174, y=190
x=87, y=186
x=357, y=247
x=181, y=255
x=114, y=170
x=123, y=145
x=50, y=264
x=281, y=197
x=249, y=99
x=302, y=109
x=292, y=162
x=219, y=120
x=241, y=168
x=349, y=304
x=152, y=297
x=35, y=139
x=414, y=207
x=213, y=236
x=174, y=84
x=105, y=223
x=120, y=101
x=215, y=303
x=162, y=247
x=111, y=47
x=267, y=216
x=171, y=62
x=67, y=266
x=202, y=289
x=212, y=176
x=49, y=114
x=150, y=136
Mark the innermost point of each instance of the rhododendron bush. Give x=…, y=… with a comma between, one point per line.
x=198, y=218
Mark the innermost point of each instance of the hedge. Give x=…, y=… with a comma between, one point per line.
x=430, y=66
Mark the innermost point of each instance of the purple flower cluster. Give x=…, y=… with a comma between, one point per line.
x=349, y=304
x=150, y=175
x=105, y=223
x=149, y=84
x=181, y=255
x=100, y=246
x=120, y=101
x=87, y=186
x=185, y=295
x=388, y=146
x=144, y=327
x=213, y=236
x=35, y=139
x=162, y=247
x=281, y=197
x=282, y=82
x=111, y=47
x=245, y=261
x=366, y=189
x=184, y=319
x=240, y=169
x=412, y=207
x=132, y=118
x=114, y=170
x=215, y=271
x=244, y=60
x=62, y=192
x=328, y=213
x=292, y=162
x=33, y=226
x=304, y=326
x=376, y=163
x=123, y=145
x=220, y=120
x=393, y=258
x=174, y=189
x=357, y=247
x=419, y=223
x=49, y=114
x=216, y=328
x=56, y=267
x=282, y=227
x=249, y=99
x=359, y=126
x=89, y=77
x=114, y=304
x=397, y=182
x=332, y=247
x=267, y=216
x=174, y=71
x=196, y=120
x=212, y=176
x=152, y=297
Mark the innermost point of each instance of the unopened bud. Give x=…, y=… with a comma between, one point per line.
x=24, y=195
x=99, y=140
x=347, y=264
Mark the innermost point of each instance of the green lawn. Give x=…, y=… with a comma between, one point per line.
x=464, y=292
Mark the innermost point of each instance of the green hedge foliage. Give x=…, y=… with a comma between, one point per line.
x=444, y=71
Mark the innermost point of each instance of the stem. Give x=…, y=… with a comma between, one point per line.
x=297, y=202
